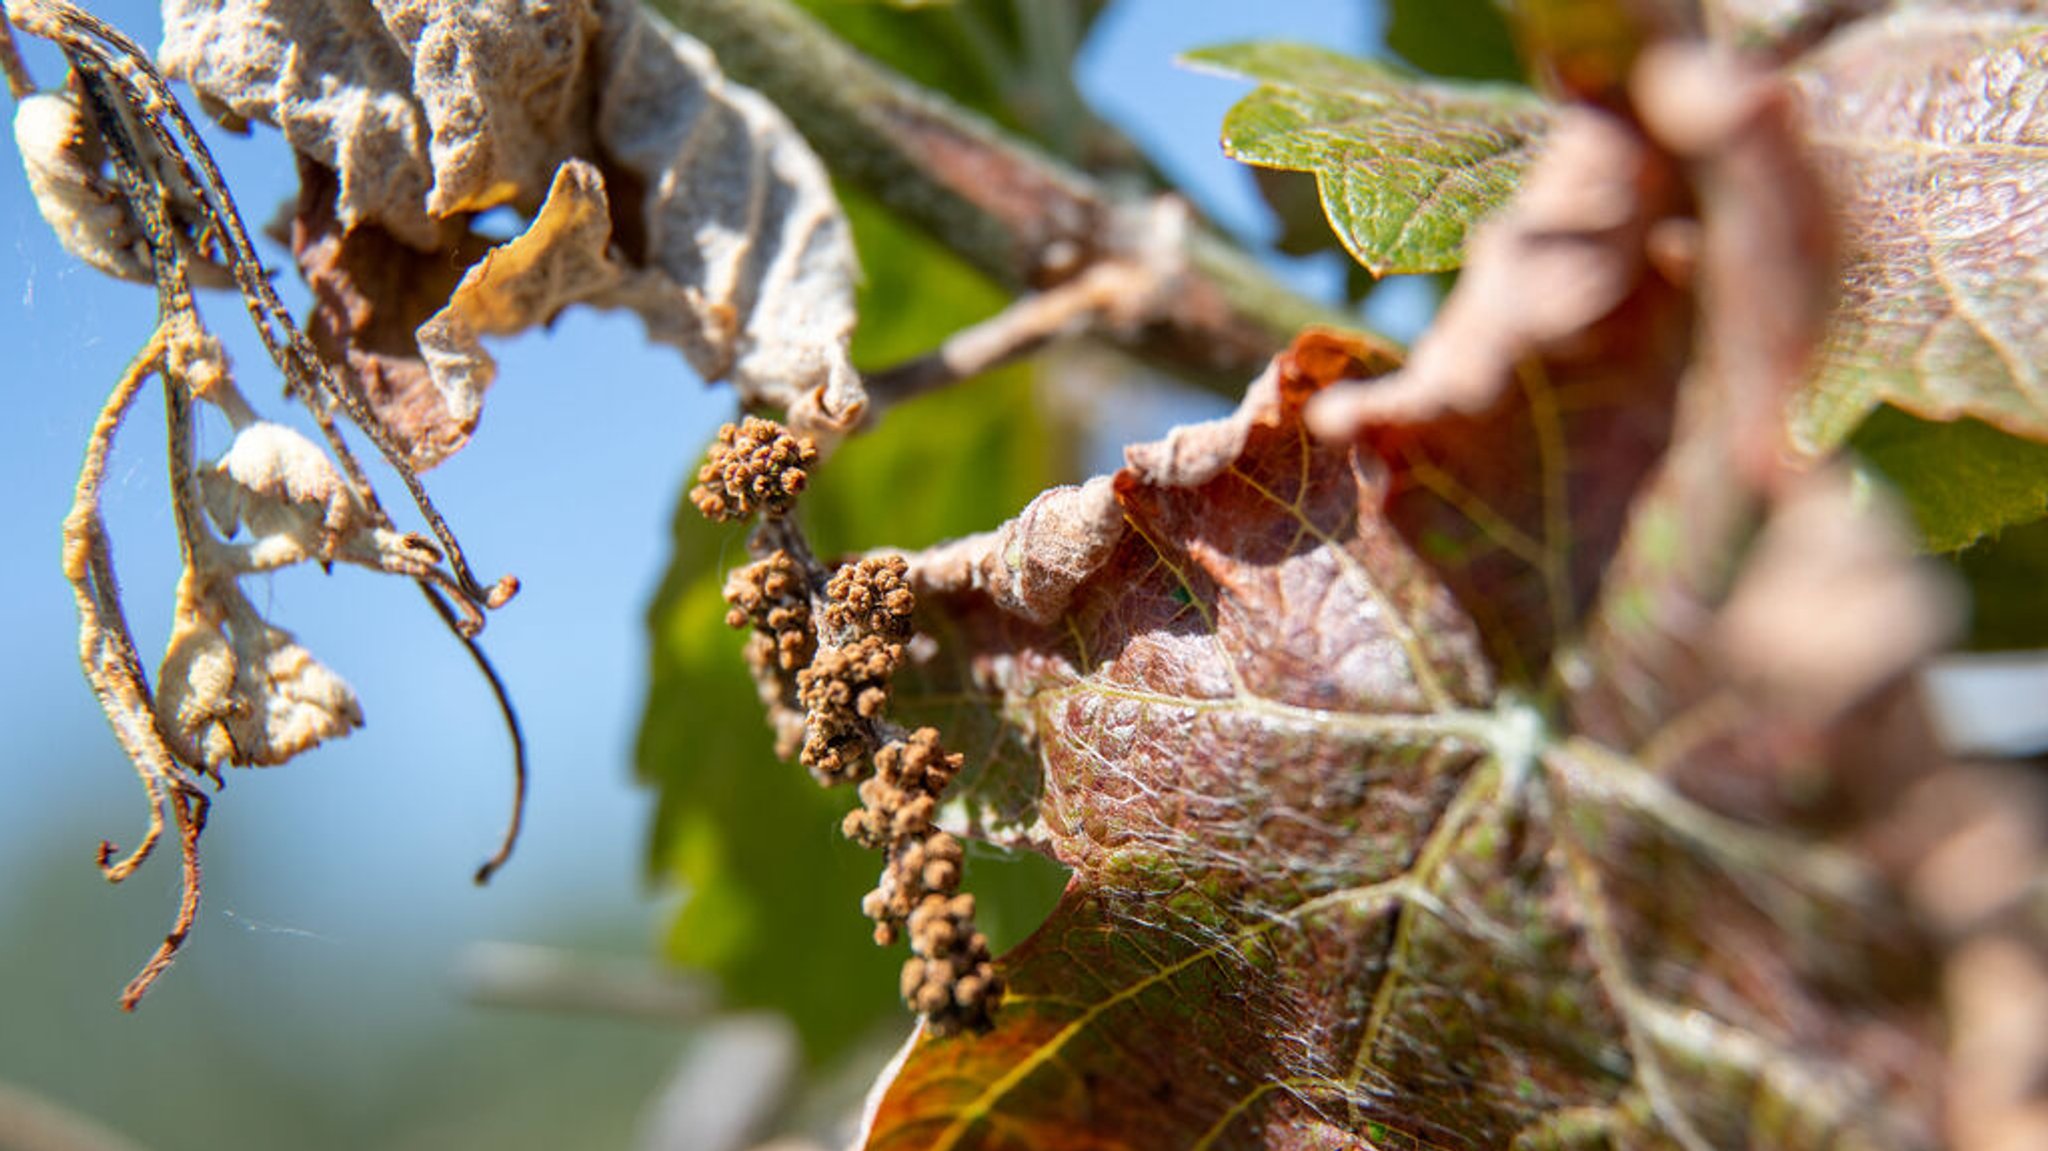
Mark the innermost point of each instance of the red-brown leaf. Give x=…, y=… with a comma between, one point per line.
x=1385, y=763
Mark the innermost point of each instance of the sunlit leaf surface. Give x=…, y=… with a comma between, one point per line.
x=1933, y=127
x=1405, y=164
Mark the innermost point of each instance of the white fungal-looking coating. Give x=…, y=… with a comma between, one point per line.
x=61, y=156
x=273, y=460
x=237, y=690
x=289, y=494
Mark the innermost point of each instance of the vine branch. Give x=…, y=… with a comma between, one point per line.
x=19, y=82
x=1116, y=296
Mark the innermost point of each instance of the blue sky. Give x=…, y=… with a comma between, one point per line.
x=570, y=484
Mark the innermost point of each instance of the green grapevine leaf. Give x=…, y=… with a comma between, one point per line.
x=2008, y=581
x=1962, y=480
x=1468, y=39
x=1010, y=60
x=1404, y=165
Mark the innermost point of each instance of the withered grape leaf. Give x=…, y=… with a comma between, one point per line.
x=1405, y=164
x=716, y=223
x=371, y=292
x=1933, y=128
x=425, y=109
x=1455, y=781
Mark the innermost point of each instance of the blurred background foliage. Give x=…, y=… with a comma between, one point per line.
x=270, y=1046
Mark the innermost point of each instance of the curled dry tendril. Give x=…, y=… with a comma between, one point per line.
x=233, y=689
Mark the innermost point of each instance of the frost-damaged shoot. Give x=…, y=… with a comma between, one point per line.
x=825, y=645
x=122, y=176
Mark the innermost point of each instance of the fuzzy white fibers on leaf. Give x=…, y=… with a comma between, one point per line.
x=61, y=156
x=286, y=492
x=234, y=689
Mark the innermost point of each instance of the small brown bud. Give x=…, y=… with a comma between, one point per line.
x=754, y=466
x=913, y=976
x=871, y=702
x=940, y=875
x=914, y=817
x=871, y=597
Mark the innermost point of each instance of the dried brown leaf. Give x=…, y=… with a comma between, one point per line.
x=426, y=109
x=62, y=158
x=237, y=690
x=287, y=493
x=66, y=163
x=123, y=171
x=723, y=233
x=371, y=292
x=564, y=257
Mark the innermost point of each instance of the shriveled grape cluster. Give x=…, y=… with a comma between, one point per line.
x=826, y=645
